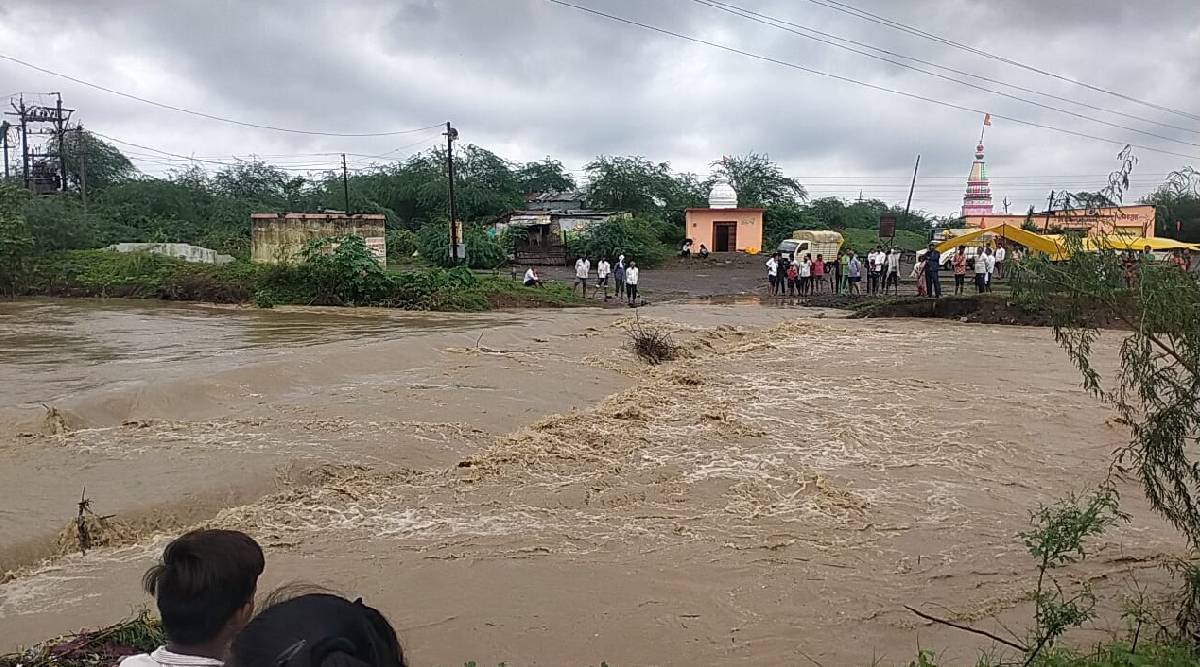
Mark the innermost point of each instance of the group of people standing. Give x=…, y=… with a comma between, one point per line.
x=625, y=277
x=843, y=274
x=986, y=264
x=802, y=277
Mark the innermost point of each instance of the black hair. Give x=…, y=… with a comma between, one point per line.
x=204, y=578
x=317, y=630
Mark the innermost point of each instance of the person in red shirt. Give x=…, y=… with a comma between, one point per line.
x=818, y=273
x=959, y=264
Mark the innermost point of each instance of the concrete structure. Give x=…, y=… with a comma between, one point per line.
x=978, y=198
x=723, y=227
x=184, y=251
x=546, y=232
x=1124, y=220
x=277, y=238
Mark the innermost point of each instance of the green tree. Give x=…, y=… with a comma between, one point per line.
x=59, y=222
x=99, y=162
x=546, y=175
x=758, y=181
x=1177, y=200
x=631, y=184
x=16, y=242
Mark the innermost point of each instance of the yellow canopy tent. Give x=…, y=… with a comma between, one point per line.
x=1035, y=242
x=1123, y=242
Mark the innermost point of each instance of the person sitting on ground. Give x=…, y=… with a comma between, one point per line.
x=631, y=282
x=686, y=250
x=317, y=630
x=204, y=588
x=532, y=279
x=703, y=251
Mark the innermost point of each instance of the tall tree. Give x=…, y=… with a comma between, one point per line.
x=629, y=183
x=90, y=158
x=546, y=175
x=759, y=181
x=1177, y=203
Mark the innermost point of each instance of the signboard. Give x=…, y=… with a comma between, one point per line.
x=887, y=226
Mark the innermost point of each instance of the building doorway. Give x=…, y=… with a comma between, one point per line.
x=724, y=236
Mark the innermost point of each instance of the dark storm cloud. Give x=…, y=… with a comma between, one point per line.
x=528, y=78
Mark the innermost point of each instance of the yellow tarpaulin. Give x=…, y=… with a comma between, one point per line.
x=1122, y=242
x=1035, y=242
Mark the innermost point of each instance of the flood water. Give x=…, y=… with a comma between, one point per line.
x=50, y=349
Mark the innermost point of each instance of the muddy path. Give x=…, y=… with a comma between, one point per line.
x=780, y=492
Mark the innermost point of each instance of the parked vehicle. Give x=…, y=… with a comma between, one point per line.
x=812, y=241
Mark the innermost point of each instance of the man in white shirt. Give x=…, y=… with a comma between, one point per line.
x=773, y=272
x=989, y=262
x=603, y=269
x=532, y=279
x=1000, y=253
x=980, y=271
x=631, y=283
x=582, y=268
x=893, y=271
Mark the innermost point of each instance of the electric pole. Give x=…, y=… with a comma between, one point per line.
x=911, y=189
x=4, y=133
x=60, y=133
x=451, y=135
x=82, y=167
x=345, y=186
x=24, y=143
x=1006, y=205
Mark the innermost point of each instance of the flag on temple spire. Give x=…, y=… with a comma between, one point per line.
x=987, y=119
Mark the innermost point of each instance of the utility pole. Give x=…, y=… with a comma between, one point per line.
x=345, y=186
x=60, y=133
x=451, y=135
x=1049, y=208
x=4, y=125
x=912, y=187
x=24, y=143
x=82, y=167
x=1006, y=205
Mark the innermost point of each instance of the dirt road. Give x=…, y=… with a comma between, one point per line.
x=536, y=497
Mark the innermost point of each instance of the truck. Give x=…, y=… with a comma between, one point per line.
x=814, y=242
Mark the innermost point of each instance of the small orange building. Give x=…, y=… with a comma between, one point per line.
x=723, y=227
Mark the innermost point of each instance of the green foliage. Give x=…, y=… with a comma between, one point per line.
x=758, y=181
x=16, y=240
x=341, y=271
x=101, y=163
x=58, y=222
x=548, y=175
x=401, y=243
x=630, y=183
x=1178, y=200
x=483, y=250
x=636, y=238
x=862, y=240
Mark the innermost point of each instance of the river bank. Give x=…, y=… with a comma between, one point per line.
x=517, y=488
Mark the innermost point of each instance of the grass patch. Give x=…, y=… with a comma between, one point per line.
x=863, y=240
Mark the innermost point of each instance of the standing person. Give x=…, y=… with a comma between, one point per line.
x=793, y=275
x=631, y=282
x=873, y=271
x=854, y=273
x=933, y=283
x=893, y=271
x=806, y=275
x=204, y=588
x=603, y=269
x=1001, y=253
x=582, y=268
x=784, y=263
x=959, y=263
x=989, y=261
x=1178, y=261
x=773, y=273
x=843, y=272
x=818, y=273
x=619, y=277
x=918, y=274
x=980, y=272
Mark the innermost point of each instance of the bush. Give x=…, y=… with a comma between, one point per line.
x=401, y=243
x=342, y=271
x=633, y=237
x=483, y=251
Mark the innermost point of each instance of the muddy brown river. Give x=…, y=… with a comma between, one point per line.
x=517, y=487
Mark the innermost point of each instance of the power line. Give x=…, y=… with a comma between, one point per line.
x=208, y=115
x=847, y=79
x=782, y=24
x=846, y=8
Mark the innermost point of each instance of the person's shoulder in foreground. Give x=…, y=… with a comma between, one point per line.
x=204, y=589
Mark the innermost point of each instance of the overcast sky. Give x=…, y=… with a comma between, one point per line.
x=530, y=78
